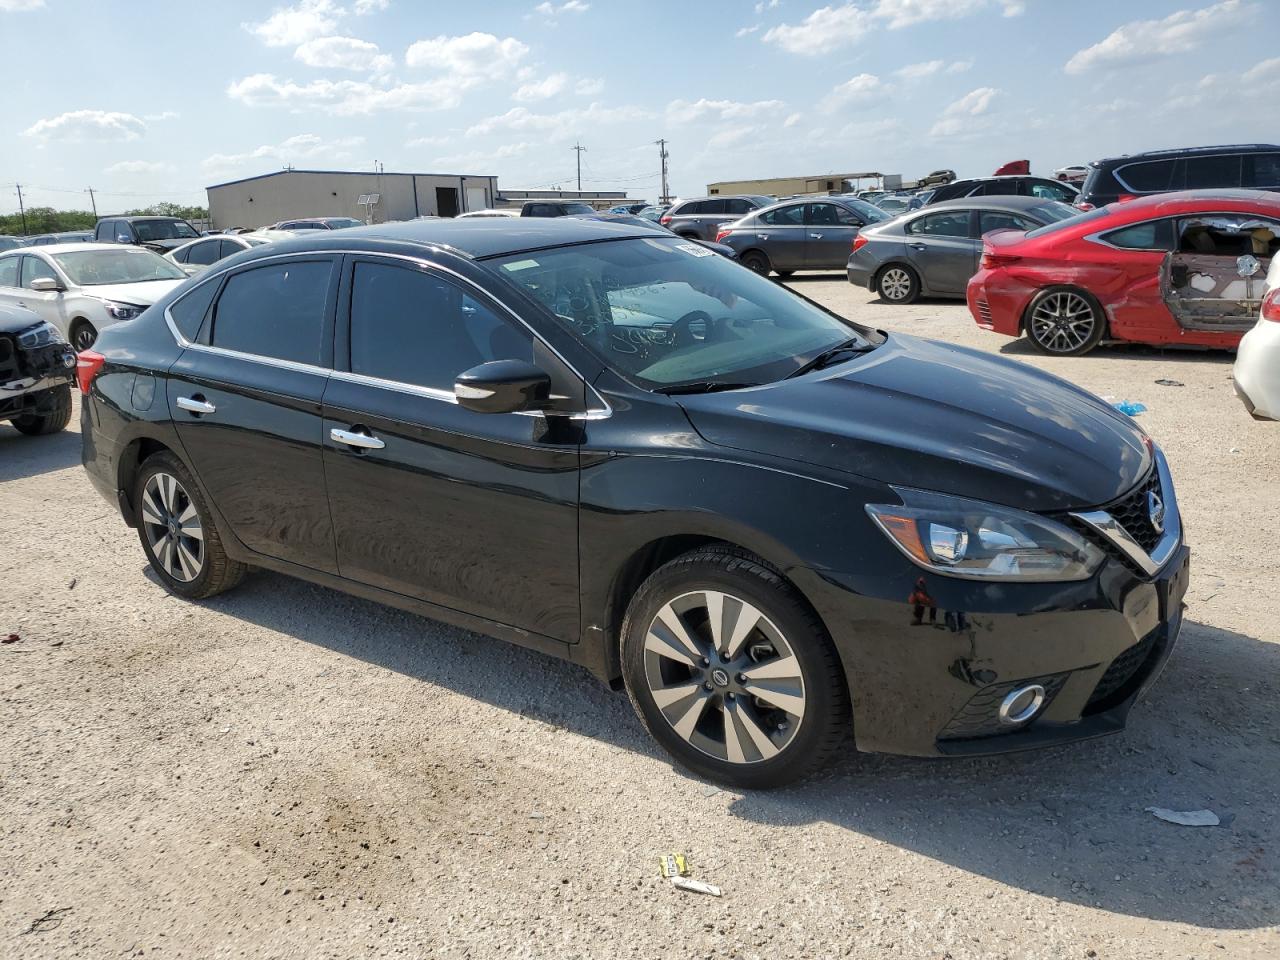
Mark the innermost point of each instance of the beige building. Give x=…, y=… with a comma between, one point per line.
x=792, y=186
x=373, y=197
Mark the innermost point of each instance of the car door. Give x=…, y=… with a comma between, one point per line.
x=48, y=305
x=10, y=288
x=1132, y=268
x=829, y=237
x=780, y=233
x=474, y=512
x=944, y=249
x=245, y=399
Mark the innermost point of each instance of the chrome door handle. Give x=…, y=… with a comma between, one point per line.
x=194, y=405
x=365, y=441
x=918, y=246
x=815, y=236
x=762, y=236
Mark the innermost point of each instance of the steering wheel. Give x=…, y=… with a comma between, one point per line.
x=683, y=328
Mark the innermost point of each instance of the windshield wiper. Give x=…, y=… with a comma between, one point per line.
x=705, y=386
x=853, y=345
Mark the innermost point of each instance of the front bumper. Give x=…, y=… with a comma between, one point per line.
x=928, y=681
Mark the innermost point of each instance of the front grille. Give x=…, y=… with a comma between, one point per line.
x=1131, y=512
x=980, y=716
x=984, y=311
x=1125, y=672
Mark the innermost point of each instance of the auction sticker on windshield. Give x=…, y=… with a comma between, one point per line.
x=694, y=250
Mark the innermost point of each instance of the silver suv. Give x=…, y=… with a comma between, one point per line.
x=699, y=218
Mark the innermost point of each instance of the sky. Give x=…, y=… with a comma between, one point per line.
x=148, y=101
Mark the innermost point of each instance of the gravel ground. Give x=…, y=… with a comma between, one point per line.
x=286, y=771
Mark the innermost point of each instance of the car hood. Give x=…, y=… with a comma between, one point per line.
x=939, y=417
x=143, y=294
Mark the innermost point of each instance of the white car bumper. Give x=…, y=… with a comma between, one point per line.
x=1257, y=370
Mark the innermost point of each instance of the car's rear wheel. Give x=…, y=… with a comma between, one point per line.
x=898, y=283
x=1064, y=322
x=177, y=531
x=83, y=335
x=731, y=671
x=54, y=418
x=755, y=260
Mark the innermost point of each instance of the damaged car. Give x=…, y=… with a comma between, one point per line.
x=37, y=367
x=1181, y=268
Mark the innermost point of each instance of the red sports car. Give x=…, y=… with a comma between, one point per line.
x=1186, y=268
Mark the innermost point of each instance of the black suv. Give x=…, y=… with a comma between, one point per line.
x=775, y=526
x=1017, y=185
x=160, y=234
x=1253, y=166
x=36, y=370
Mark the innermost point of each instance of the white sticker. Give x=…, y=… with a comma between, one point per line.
x=520, y=265
x=694, y=250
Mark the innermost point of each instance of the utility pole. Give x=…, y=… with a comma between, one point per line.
x=579, y=148
x=662, y=155
x=92, y=201
x=21, y=209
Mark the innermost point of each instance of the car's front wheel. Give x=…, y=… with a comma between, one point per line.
x=177, y=531
x=731, y=671
x=83, y=335
x=1064, y=322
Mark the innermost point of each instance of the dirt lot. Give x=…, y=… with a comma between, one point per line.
x=289, y=772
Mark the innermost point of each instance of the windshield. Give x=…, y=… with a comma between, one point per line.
x=1075, y=220
x=88, y=268
x=868, y=211
x=149, y=230
x=665, y=312
x=341, y=223
x=579, y=208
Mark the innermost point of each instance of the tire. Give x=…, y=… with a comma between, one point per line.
x=898, y=283
x=781, y=732
x=83, y=335
x=756, y=261
x=197, y=566
x=54, y=420
x=1064, y=322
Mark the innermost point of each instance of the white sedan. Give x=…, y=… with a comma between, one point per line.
x=195, y=256
x=83, y=287
x=1073, y=173
x=1257, y=369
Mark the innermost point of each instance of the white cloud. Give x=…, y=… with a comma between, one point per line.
x=1144, y=40
x=684, y=111
x=764, y=5
x=20, y=6
x=366, y=7
x=304, y=146
x=555, y=9
x=542, y=89
x=832, y=28
x=960, y=66
x=746, y=31
x=588, y=86
x=793, y=119
x=290, y=26
x=958, y=116
x=929, y=68
x=428, y=141
x=87, y=125
x=565, y=123
x=163, y=115
x=349, y=97
x=863, y=88
x=139, y=166
x=476, y=54
x=344, y=53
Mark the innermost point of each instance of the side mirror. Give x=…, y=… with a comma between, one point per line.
x=503, y=386
x=46, y=285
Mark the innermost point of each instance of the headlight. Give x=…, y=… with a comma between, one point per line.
x=122, y=311
x=41, y=335
x=982, y=541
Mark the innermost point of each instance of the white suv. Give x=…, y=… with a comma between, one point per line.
x=81, y=288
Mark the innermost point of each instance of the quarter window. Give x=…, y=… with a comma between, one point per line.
x=784, y=216
x=275, y=311
x=189, y=312
x=950, y=224
x=33, y=268
x=1149, y=235
x=418, y=328
x=9, y=271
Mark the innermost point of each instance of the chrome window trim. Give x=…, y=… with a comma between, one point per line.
x=603, y=412
x=1107, y=525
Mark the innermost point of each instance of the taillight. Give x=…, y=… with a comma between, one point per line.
x=88, y=363
x=859, y=242
x=990, y=261
x=1271, y=306
x=665, y=221
x=722, y=233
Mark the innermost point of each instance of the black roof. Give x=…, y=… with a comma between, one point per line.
x=135, y=219
x=476, y=237
x=1191, y=151
x=1013, y=204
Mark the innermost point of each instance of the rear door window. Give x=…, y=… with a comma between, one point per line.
x=9, y=271
x=999, y=188
x=106, y=231
x=989, y=220
x=275, y=311
x=204, y=253
x=1048, y=190
x=713, y=206
x=737, y=205
x=1150, y=176
x=953, y=223
x=792, y=216
x=1219, y=171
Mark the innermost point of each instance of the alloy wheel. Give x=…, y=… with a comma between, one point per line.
x=172, y=526
x=895, y=283
x=83, y=338
x=724, y=677
x=1063, y=322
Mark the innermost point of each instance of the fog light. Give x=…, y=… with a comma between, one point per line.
x=1021, y=704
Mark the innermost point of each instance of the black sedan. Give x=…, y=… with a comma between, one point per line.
x=934, y=251
x=772, y=525
x=805, y=234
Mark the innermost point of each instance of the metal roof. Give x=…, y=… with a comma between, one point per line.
x=353, y=173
